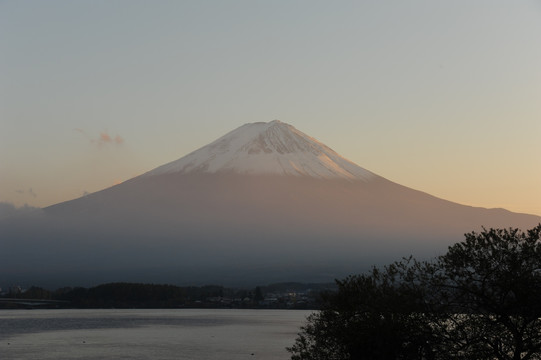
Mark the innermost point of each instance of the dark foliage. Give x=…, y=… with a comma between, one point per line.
x=126, y=295
x=373, y=316
x=137, y=295
x=481, y=300
x=491, y=283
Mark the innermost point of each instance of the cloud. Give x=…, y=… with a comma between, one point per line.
x=27, y=192
x=108, y=139
x=104, y=138
x=119, y=140
x=7, y=210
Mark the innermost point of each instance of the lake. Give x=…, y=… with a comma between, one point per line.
x=148, y=334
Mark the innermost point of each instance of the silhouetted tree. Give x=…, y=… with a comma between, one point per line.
x=481, y=300
x=373, y=316
x=35, y=292
x=258, y=296
x=491, y=287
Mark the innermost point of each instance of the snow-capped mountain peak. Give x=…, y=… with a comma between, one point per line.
x=267, y=148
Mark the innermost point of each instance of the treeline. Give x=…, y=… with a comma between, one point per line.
x=481, y=300
x=138, y=295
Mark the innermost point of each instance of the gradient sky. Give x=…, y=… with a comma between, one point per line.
x=440, y=96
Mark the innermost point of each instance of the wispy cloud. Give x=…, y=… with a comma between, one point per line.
x=108, y=139
x=8, y=209
x=104, y=138
x=119, y=140
x=27, y=192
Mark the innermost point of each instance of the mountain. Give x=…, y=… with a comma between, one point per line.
x=267, y=148
x=264, y=203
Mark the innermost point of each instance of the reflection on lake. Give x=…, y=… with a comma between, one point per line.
x=148, y=334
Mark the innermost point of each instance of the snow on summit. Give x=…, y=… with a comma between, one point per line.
x=267, y=148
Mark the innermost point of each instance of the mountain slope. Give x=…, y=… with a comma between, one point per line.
x=267, y=148
x=239, y=212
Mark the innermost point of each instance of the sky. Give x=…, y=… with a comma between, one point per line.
x=440, y=96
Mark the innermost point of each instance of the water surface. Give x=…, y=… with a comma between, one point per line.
x=148, y=334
